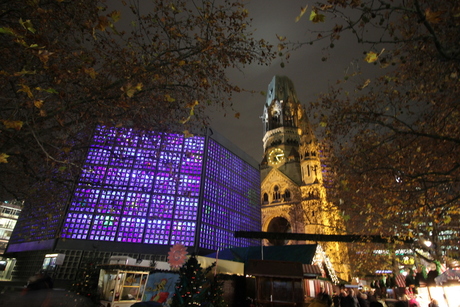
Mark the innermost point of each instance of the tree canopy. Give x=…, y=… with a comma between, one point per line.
x=70, y=65
x=396, y=137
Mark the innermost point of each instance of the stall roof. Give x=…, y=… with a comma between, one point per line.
x=295, y=253
x=271, y=268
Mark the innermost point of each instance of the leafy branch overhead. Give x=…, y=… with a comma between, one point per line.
x=396, y=136
x=69, y=65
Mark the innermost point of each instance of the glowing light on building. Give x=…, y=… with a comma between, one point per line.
x=165, y=189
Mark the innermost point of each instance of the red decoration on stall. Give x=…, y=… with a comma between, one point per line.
x=177, y=256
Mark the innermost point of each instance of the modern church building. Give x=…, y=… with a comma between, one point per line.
x=141, y=192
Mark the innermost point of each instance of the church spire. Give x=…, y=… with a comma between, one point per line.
x=282, y=105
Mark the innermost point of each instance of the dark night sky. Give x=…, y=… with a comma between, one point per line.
x=310, y=75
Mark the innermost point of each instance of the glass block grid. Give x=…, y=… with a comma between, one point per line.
x=144, y=187
x=131, y=230
x=133, y=189
x=231, y=199
x=76, y=225
x=157, y=231
x=104, y=228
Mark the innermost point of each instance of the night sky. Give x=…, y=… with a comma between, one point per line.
x=309, y=73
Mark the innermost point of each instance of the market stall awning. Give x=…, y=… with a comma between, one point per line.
x=447, y=276
x=311, y=270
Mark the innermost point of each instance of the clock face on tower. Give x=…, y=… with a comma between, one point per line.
x=276, y=156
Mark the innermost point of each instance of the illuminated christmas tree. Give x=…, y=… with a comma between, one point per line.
x=195, y=288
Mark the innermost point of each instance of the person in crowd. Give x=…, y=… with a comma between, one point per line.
x=371, y=297
x=347, y=298
x=362, y=299
x=433, y=303
x=336, y=299
x=324, y=297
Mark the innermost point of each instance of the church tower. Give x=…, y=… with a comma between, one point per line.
x=292, y=174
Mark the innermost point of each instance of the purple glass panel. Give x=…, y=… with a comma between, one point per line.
x=189, y=185
x=183, y=233
x=131, y=230
x=157, y=231
x=136, y=204
x=162, y=206
x=104, y=228
x=186, y=208
x=85, y=200
x=142, y=180
x=111, y=202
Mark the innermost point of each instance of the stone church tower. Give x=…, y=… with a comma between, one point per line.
x=293, y=175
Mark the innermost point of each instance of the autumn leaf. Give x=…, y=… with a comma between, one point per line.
x=13, y=124
x=6, y=31
x=168, y=98
x=4, y=157
x=27, y=25
x=366, y=83
x=371, y=57
x=187, y=134
x=315, y=17
x=302, y=12
x=38, y=103
x=281, y=38
x=115, y=15
x=237, y=115
x=130, y=89
x=47, y=90
x=26, y=89
x=192, y=104
x=44, y=55
x=432, y=17
x=91, y=72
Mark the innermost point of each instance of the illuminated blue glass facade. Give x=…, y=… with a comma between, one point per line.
x=162, y=189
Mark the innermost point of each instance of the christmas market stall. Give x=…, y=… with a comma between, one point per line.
x=123, y=281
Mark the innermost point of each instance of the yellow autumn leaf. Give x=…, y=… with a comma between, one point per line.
x=315, y=17
x=24, y=88
x=302, y=12
x=130, y=90
x=432, y=17
x=38, y=103
x=4, y=157
x=181, y=63
x=115, y=15
x=192, y=104
x=13, y=124
x=371, y=57
x=447, y=219
x=168, y=98
x=187, y=134
x=281, y=38
x=366, y=83
x=91, y=72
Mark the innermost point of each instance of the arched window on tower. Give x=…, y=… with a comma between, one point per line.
x=287, y=195
x=265, y=198
x=276, y=193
